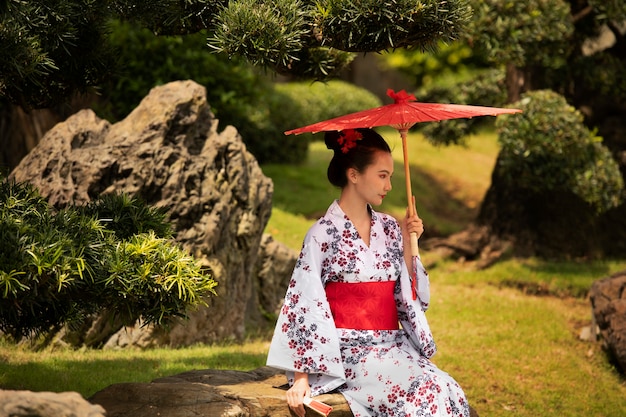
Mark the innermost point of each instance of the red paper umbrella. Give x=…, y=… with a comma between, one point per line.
x=402, y=114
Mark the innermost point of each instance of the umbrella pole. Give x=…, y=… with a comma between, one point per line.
x=409, y=192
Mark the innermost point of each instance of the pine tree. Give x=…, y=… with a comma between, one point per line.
x=54, y=48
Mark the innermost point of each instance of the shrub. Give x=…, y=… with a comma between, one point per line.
x=147, y=60
x=297, y=104
x=57, y=268
x=127, y=216
x=548, y=147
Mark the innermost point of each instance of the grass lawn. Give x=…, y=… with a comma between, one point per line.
x=508, y=334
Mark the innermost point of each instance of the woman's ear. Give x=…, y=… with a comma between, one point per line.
x=352, y=175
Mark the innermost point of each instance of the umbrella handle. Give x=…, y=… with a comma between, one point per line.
x=414, y=247
x=409, y=193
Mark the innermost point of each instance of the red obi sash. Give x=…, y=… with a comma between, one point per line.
x=363, y=305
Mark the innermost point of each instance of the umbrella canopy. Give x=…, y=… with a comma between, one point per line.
x=402, y=114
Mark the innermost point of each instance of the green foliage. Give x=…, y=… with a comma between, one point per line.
x=276, y=35
x=59, y=267
x=319, y=63
x=609, y=9
x=520, y=32
x=487, y=89
x=313, y=102
x=237, y=94
x=601, y=73
x=376, y=25
x=168, y=17
x=152, y=275
x=267, y=33
x=298, y=104
x=51, y=49
x=548, y=147
x=148, y=60
x=127, y=216
x=455, y=60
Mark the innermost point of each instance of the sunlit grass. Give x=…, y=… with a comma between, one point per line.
x=520, y=355
x=530, y=275
x=87, y=371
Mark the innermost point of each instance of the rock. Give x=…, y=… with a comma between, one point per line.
x=168, y=152
x=273, y=270
x=46, y=404
x=258, y=393
x=608, y=302
x=208, y=393
x=475, y=243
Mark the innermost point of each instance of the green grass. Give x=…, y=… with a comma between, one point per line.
x=88, y=371
x=508, y=334
x=519, y=355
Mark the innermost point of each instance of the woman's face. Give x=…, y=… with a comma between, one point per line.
x=374, y=182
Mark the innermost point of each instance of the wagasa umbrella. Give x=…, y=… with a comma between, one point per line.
x=402, y=114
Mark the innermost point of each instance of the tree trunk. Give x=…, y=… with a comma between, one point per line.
x=20, y=132
x=514, y=83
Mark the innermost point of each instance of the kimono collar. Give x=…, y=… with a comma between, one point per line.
x=338, y=216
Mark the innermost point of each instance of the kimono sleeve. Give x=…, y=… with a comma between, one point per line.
x=411, y=311
x=305, y=338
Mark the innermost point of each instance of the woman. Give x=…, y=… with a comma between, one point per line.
x=353, y=318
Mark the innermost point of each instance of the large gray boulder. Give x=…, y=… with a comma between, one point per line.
x=608, y=301
x=46, y=404
x=169, y=152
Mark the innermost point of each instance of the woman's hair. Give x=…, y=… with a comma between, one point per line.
x=353, y=148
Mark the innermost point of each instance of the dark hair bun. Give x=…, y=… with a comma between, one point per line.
x=354, y=148
x=331, y=140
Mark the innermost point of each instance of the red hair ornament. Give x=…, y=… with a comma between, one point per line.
x=348, y=138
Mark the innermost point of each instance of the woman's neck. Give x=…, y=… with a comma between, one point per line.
x=356, y=209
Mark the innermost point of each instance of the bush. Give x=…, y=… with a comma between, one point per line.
x=57, y=268
x=548, y=147
x=233, y=88
x=299, y=104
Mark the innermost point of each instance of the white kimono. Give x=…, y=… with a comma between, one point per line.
x=379, y=372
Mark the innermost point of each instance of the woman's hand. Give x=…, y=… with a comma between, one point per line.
x=411, y=224
x=297, y=392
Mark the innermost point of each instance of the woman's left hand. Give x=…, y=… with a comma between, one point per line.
x=412, y=224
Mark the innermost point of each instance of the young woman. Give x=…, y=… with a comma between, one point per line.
x=353, y=317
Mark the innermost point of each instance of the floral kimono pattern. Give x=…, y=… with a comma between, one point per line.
x=380, y=372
